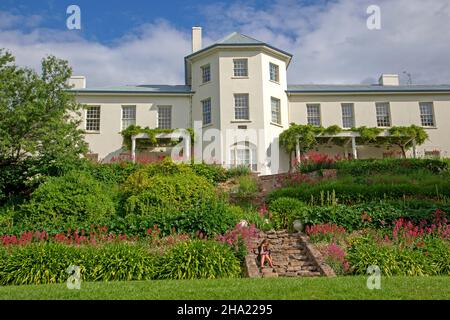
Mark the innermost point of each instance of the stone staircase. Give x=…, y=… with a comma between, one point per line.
x=292, y=255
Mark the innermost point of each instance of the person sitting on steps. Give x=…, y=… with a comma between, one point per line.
x=264, y=253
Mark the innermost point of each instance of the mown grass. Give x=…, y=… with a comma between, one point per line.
x=342, y=288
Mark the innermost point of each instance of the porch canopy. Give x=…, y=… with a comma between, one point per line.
x=351, y=135
x=186, y=143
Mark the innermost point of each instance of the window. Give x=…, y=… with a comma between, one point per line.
x=348, y=118
x=93, y=118
x=128, y=116
x=241, y=107
x=164, y=117
x=240, y=67
x=274, y=72
x=276, y=111
x=243, y=155
x=206, y=73
x=206, y=107
x=426, y=114
x=383, y=114
x=313, y=114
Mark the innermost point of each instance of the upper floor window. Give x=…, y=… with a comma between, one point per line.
x=383, y=114
x=240, y=67
x=93, y=118
x=313, y=114
x=206, y=109
x=128, y=116
x=426, y=114
x=165, y=117
x=274, y=72
x=241, y=110
x=206, y=73
x=348, y=117
x=276, y=110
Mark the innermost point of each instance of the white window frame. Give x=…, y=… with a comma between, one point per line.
x=206, y=111
x=348, y=118
x=128, y=118
x=206, y=75
x=93, y=121
x=275, y=112
x=384, y=119
x=241, y=111
x=427, y=119
x=274, y=72
x=163, y=118
x=313, y=114
x=243, y=154
x=240, y=68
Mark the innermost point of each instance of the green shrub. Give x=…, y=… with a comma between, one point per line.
x=247, y=186
x=197, y=259
x=42, y=263
x=179, y=191
x=207, y=218
x=285, y=211
x=350, y=191
x=396, y=166
x=238, y=171
x=75, y=197
x=394, y=260
x=214, y=173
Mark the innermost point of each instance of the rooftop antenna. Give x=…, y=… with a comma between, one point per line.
x=409, y=78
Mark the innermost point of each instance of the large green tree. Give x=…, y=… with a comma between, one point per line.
x=39, y=118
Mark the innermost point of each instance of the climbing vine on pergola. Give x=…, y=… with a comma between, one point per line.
x=306, y=137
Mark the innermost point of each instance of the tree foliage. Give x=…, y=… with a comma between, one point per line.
x=38, y=116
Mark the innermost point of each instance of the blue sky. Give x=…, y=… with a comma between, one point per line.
x=136, y=41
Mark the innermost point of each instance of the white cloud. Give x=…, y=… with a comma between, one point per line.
x=329, y=40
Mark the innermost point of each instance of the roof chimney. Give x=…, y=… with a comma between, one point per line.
x=389, y=80
x=77, y=82
x=196, y=38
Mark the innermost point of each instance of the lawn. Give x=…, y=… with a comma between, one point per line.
x=351, y=287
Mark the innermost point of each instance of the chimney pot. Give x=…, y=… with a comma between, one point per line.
x=196, y=39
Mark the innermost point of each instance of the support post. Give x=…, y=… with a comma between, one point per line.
x=298, y=152
x=414, y=148
x=133, y=149
x=355, y=153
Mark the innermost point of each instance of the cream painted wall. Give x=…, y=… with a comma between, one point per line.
x=108, y=142
x=404, y=112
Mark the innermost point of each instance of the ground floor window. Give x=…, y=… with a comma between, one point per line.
x=243, y=155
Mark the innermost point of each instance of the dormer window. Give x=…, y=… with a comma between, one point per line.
x=274, y=72
x=240, y=67
x=206, y=73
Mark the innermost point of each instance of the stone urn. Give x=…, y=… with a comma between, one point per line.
x=298, y=225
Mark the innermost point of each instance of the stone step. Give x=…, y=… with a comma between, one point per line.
x=270, y=275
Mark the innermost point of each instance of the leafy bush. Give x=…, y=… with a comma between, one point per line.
x=179, y=191
x=396, y=166
x=75, y=197
x=47, y=263
x=372, y=214
x=394, y=260
x=214, y=173
x=247, y=187
x=197, y=259
x=285, y=210
x=352, y=191
x=238, y=171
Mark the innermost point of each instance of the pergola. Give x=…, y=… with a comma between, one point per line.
x=351, y=135
x=186, y=143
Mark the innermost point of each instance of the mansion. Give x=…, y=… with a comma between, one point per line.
x=236, y=93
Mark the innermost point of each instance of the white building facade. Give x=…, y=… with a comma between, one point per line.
x=237, y=99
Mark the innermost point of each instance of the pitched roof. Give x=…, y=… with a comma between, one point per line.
x=321, y=88
x=148, y=89
x=238, y=39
